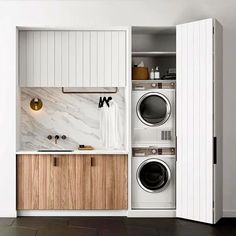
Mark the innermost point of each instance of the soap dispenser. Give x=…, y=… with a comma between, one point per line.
x=157, y=73
x=152, y=74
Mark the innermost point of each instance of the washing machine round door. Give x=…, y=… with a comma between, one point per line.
x=153, y=175
x=153, y=109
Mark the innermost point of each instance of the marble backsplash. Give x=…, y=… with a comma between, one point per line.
x=73, y=115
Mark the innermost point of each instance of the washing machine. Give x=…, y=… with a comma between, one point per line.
x=153, y=178
x=153, y=113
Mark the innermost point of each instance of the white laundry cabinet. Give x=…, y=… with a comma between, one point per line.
x=82, y=58
x=195, y=49
x=199, y=120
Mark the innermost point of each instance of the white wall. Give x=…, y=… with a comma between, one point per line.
x=109, y=13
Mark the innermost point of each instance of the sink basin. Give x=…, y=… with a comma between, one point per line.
x=44, y=150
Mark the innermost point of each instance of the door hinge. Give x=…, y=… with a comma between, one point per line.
x=213, y=30
x=215, y=150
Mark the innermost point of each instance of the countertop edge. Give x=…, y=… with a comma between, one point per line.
x=78, y=152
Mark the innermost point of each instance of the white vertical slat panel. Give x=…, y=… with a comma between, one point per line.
x=37, y=59
x=94, y=59
x=184, y=118
x=86, y=59
x=209, y=114
x=122, y=59
x=72, y=59
x=79, y=59
x=202, y=164
x=115, y=58
x=101, y=59
x=51, y=62
x=58, y=59
x=44, y=58
x=197, y=110
x=108, y=58
x=194, y=121
x=218, y=119
x=23, y=58
x=190, y=118
x=65, y=58
x=30, y=59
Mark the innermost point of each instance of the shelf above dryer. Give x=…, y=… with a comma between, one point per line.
x=153, y=54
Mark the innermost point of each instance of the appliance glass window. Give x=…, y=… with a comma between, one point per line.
x=153, y=110
x=153, y=176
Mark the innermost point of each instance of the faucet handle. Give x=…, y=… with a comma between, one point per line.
x=63, y=137
x=49, y=137
x=56, y=138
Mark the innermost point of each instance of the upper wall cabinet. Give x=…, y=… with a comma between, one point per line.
x=72, y=58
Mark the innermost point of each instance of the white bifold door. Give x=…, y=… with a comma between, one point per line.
x=199, y=121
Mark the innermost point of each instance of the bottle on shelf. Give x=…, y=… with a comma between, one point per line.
x=157, y=73
x=152, y=74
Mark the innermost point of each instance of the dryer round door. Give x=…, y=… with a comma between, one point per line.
x=153, y=109
x=153, y=175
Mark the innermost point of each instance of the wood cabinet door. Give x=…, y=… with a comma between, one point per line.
x=71, y=182
x=98, y=182
x=45, y=182
x=108, y=182
x=28, y=182
x=116, y=192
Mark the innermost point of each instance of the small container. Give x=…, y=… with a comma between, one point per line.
x=157, y=73
x=152, y=74
x=139, y=73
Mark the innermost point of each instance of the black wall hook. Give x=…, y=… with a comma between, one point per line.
x=104, y=99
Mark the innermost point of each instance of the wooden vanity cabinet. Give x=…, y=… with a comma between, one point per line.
x=71, y=182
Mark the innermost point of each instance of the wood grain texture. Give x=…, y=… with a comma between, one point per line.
x=98, y=181
x=72, y=58
x=28, y=184
x=116, y=182
x=75, y=182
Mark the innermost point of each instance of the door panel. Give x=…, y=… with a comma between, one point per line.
x=61, y=182
x=98, y=178
x=218, y=120
x=195, y=121
x=46, y=183
x=116, y=182
x=71, y=182
x=28, y=182
x=72, y=58
x=83, y=182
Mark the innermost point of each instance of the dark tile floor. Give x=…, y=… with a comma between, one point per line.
x=112, y=226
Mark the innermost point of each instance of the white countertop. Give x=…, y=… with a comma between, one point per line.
x=91, y=152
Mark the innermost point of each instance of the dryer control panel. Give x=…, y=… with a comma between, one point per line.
x=153, y=151
x=152, y=84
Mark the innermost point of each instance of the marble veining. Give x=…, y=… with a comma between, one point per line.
x=74, y=115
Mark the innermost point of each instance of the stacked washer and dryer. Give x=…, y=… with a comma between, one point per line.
x=153, y=142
